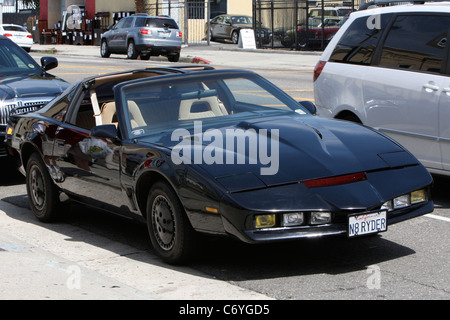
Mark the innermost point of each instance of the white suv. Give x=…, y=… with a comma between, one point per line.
x=389, y=68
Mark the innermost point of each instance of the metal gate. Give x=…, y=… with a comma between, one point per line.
x=190, y=15
x=300, y=24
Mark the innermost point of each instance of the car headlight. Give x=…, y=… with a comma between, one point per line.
x=265, y=220
x=320, y=217
x=293, y=219
x=405, y=200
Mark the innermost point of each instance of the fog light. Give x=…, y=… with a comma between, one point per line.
x=320, y=217
x=292, y=219
x=402, y=201
x=265, y=221
x=418, y=196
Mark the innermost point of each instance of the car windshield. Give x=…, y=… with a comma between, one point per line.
x=15, y=61
x=155, y=105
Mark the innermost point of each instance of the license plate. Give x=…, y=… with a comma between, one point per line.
x=367, y=223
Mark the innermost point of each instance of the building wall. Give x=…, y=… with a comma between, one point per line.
x=114, y=5
x=240, y=7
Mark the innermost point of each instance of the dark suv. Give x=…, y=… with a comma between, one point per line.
x=144, y=35
x=24, y=85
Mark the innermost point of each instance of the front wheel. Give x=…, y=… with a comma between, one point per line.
x=170, y=231
x=235, y=37
x=104, y=50
x=42, y=192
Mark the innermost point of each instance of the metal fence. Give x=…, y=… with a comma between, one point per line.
x=190, y=15
x=300, y=24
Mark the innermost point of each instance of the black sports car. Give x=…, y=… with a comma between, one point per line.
x=24, y=85
x=222, y=152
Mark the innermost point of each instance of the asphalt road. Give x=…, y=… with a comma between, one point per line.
x=409, y=261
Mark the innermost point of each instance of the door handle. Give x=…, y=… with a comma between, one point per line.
x=430, y=87
x=446, y=91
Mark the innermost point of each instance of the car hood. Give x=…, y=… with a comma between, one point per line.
x=307, y=148
x=31, y=86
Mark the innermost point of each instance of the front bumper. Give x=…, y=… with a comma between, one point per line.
x=338, y=228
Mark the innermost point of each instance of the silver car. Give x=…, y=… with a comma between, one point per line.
x=143, y=35
x=388, y=68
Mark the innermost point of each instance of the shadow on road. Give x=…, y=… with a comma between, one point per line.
x=226, y=259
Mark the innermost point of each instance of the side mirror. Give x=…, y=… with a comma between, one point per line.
x=49, y=63
x=108, y=131
x=308, y=105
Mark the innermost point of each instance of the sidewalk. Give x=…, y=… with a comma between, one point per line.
x=219, y=54
x=60, y=262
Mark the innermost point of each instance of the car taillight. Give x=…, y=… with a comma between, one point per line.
x=179, y=34
x=318, y=69
x=145, y=31
x=7, y=34
x=30, y=36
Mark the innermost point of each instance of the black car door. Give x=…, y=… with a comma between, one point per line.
x=90, y=167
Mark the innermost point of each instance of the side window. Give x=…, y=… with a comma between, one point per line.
x=119, y=24
x=416, y=42
x=357, y=45
x=127, y=23
x=139, y=22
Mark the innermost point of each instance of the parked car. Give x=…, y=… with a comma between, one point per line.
x=330, y=12
x=143, y=35
x=311, y=36
x=224, y=152
x=17, y=34
x=388, y=68
x=228, y=27
x=24, y=85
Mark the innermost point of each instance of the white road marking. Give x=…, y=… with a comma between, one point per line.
x=437, y=217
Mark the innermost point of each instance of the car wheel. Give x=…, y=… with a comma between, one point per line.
x=104, y=50
x=211, y=37
x=131, y=50
x=170, y=231
x=235, y=37
x=174, y=58
x=42, y=192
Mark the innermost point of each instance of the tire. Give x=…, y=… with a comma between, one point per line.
x=131, y=50
x=174, y=58
x=170, y=231
x=235, y=37
x=211, y=38
x=42, y=192
x=104, y=50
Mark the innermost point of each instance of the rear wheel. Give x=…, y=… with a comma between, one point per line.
x=170, y=231
x=42, y=192
x=131, y=50
x=174, y=58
